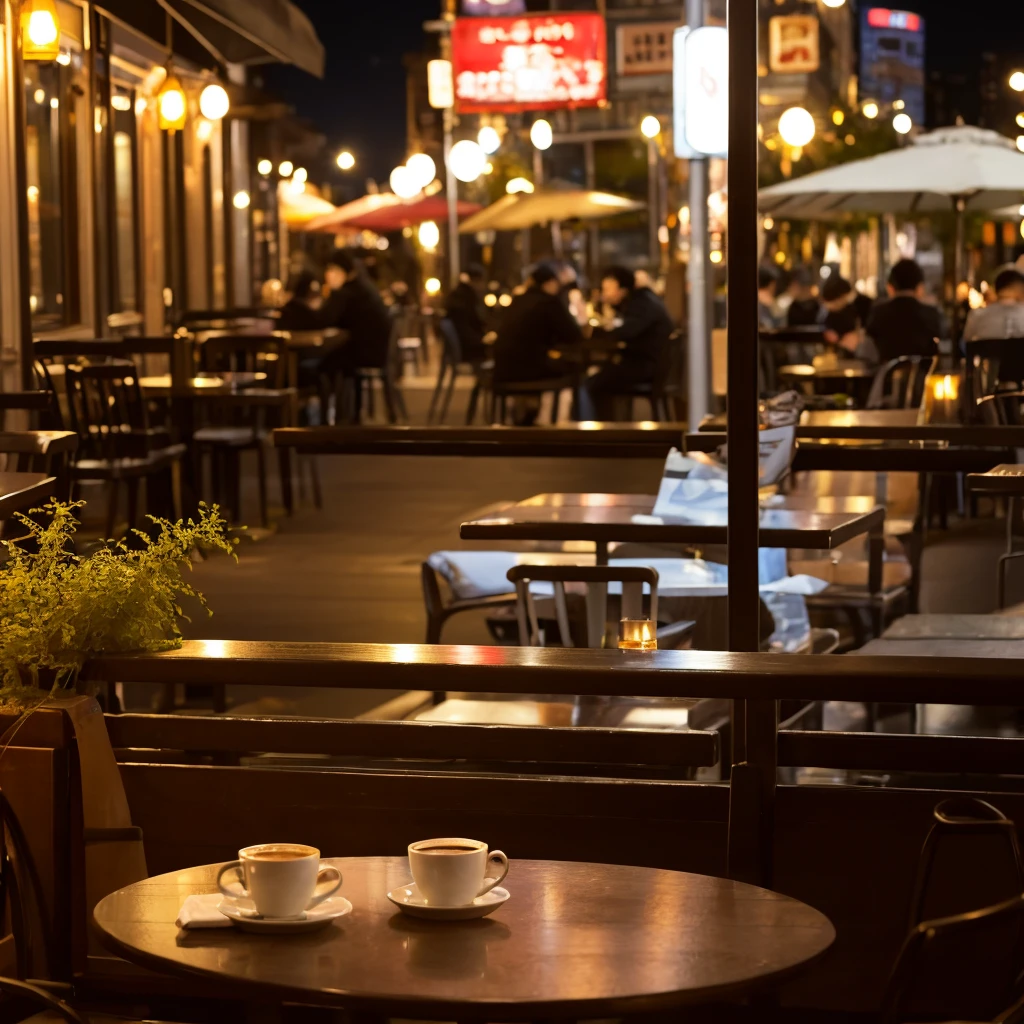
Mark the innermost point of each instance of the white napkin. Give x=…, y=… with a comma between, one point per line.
x=202, y=912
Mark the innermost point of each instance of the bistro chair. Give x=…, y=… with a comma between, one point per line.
x=502, y=392
x=117, y=444
x=359, y=386
x=900, y=383
x=965, y=967
x=970, y=859
x=451, y=368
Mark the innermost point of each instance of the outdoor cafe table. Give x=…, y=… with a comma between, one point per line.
x=575, y=940
x=604, y=518
x=21, y=491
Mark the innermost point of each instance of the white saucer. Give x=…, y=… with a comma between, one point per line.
x=242, y=913
x=408, y=899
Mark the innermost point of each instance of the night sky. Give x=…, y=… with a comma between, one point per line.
x=360, y=103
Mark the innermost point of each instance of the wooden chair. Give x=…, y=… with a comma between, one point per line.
x=117, y=444
x=899, y=384
x=965, y=967
x=439, y=610
x=501, y=392
x=359, y=387
x=970, y=859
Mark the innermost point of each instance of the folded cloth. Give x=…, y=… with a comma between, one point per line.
x=474, y=574
x=202, y=912
x=783, y=410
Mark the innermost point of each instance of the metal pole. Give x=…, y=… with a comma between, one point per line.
x=451, y=182
x=754, y=722
x=959, y=270
x=696, y=273
x=653, y=205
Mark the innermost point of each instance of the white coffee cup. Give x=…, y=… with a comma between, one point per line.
x=451, y=872
x=281, y=879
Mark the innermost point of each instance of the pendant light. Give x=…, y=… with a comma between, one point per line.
x=40, y=30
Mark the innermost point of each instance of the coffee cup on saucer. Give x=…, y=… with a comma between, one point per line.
x=453, y=872
x=281, y=879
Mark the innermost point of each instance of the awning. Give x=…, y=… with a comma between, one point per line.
x=232, y=31
x=383, y=212
x=252, y=31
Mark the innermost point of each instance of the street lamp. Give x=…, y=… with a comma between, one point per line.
x=429, y=235
x=403, y=183
x=40, y=30
x=301, y=174
x=902, y=123
x=489, y=139
x=213, y=102
x=240, y=200
x=170, y=104
x=796, y=126
x=285, y=168
x=422, y=169
x=346, y=161
x=519, y=185
x=650, y=127
x=870, y=110
x=467, y=160
x=1017, y=81
x=264, y=167
x=541, y=134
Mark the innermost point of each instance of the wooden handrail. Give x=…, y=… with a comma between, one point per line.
x=905, y=680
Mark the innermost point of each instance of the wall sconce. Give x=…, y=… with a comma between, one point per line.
x=213, y=102
x=170, y=103
x=40, y=30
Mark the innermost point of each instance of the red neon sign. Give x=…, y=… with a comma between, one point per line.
x=539, y=62
x=882, y=17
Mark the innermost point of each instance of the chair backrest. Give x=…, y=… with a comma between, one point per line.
x=990, y=363
x=106, y=408
x=450, y=341
x=970, y=859
x=253, y=353
x=40, y=404
x=1004, y=408
x=596, y=578
x=965, y=967
x=899, y=384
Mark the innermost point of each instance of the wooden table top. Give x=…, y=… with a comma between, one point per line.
x=238, y=386
x=564, y=517
x=21, y=491
x=936, y=647
x=840, y=372
x=38, y=442
x=574, y=940
x=956, y=627
x=1003, y=479
x=599, y=673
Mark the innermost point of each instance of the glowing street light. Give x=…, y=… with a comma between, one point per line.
x=796, y=126
x=902, y=123
x=403, y=183
x=541, y=134
x=489, y=140
x=650, y=127
x=833, y=3
x=214, y=102
x=285, y=168
x=432, y=286
x=240, y=200
x=264, y=167
x=519, y=185
x=301, y=174
x=1017, y=81
x=870, y=110
x=40, y=30
x=346, y=161
x=429, y=235
x=170, y=104
x=422, y=169
x=1020, y=143
x=467, y=160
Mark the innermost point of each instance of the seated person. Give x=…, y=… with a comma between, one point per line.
x=904, y=325
x=299, y=313
x=767, y=290
x=467, y=312
x=1003, y=317
x=355, y=306
x=534, y=327
x=804, y=309
x=643, y=331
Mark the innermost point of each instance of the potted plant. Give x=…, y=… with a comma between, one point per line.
x=57, y=609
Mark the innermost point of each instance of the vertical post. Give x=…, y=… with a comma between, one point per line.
x=653, y=205
x=451, y=182
x=754, y=722
x=698, y=378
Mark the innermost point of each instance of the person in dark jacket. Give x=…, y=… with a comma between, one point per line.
x=643, y=329
x=298, y=314
x=536, y=325
x=355, y=306
x=903, y=325
x=467, y=312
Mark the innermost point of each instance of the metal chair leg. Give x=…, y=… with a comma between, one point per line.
x=449, y=392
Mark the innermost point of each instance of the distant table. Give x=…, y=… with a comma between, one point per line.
x=20, y=491
x=574, y=941
x=604, y=518
x=938, y=647
x=844, y=370
x=956, y=627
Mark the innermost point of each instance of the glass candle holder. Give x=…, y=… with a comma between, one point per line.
x=637, y=635
x=942, y=398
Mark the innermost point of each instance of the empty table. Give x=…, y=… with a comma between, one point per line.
x=575, y=940
x=21, y=491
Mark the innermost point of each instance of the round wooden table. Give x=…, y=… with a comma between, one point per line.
x=574, y=940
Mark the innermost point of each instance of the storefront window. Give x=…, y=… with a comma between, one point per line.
x=44, y=158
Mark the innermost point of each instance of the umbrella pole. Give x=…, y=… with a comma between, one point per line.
x=959, y=263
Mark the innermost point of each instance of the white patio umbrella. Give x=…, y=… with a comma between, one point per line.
x=547, y=206
x=964, y=169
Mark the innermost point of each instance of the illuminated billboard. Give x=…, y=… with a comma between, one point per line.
x=540, y=62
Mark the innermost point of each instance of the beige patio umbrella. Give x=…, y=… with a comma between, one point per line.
x=547, y=206
x=298, y=209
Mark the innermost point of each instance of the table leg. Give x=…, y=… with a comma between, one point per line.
x=601, y=552
x=876, y=552
x=284, y=462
